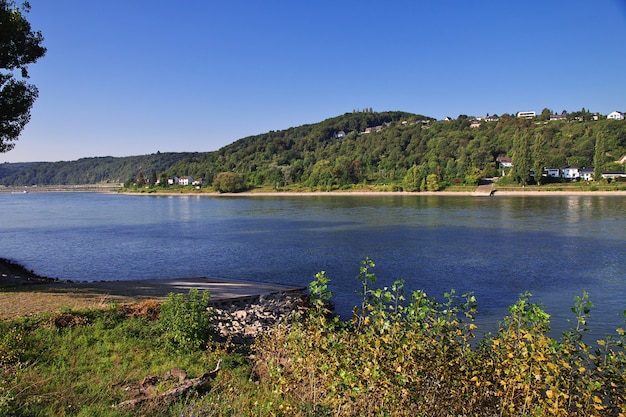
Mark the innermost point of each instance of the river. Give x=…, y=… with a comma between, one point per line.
x=555, y=247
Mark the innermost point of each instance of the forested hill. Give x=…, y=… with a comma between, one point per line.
x=405, y=149
x=88, y=170
x=395, y=148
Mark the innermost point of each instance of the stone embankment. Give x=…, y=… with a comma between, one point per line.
x=241, y=320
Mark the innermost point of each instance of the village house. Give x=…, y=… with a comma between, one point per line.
x=571, y=172
x=504, y=162
x=556, y=117
x=186, y=180
x=586, y=174
x=616, y=115
x=552, y=172
x=526, y=115
x=172, y=180
x=613, y=174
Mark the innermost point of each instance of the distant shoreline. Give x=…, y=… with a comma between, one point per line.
x=114, y=190
x=530, y=193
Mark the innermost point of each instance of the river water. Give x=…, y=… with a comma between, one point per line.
x=553, y=246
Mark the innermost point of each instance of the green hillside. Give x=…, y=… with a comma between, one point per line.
x=402, y=150
x=406, y=149
x=106, y=169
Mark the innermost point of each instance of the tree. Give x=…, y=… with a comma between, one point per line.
x=599, y=157
x=229, y=182
x=521, y=157
x=19, y=46
x=412, y=179
x=539, y=155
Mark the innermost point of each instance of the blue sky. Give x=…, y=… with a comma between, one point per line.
x=132, y=77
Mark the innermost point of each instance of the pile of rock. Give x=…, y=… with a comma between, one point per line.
x=241, y=320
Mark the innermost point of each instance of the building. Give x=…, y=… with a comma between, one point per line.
x=187, y=180
x=616, y=115
x=613, y=174
x=552, y=172
x=504, y=162
x=571, y=173
x=555, y=117
x=526, y=114
x=586, y=174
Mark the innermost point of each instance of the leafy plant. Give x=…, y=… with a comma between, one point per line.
x=187, y=322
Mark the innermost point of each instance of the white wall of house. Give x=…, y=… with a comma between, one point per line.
x=571, y=173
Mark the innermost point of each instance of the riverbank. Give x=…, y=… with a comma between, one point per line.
x=23, y=292
x=496, y=193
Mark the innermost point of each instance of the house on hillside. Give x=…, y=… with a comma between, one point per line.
x=571, y=172
x=186, y=180
x=586, y=174
x=172, y=180
x=616, y=115
x=493, y=118
x=526, y=114
x=340, y=134
x=613, y=174
x=474, y=123
x=552, y=172
x=556, y=117
x=504, y=161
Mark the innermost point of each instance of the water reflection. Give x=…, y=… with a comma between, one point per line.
x=554, y=247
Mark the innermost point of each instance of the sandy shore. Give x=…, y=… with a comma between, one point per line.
x=23, y=292
x=530, y=193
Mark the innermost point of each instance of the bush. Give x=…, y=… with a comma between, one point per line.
x=187, y=323
x=419, y=358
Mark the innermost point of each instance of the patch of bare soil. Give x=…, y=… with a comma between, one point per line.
x=23, y=292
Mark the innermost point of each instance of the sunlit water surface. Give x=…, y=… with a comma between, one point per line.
x=554, y=247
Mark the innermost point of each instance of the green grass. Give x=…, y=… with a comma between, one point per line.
x=399, y=356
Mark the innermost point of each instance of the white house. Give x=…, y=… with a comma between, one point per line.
x=616, y=115
x=172, y=180
x=586, y=174
x=526, y=114
x=504, y=161
x=614, y=174
x=552, y=172
x=571, y=172
x=187, y=180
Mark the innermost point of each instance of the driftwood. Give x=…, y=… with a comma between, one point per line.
x=179, y=389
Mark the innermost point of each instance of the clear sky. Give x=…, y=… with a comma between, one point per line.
x=133, y=77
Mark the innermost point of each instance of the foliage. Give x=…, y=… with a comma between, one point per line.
x=420, y=358
x=400, y=152
x=91, y=170
x=229, y=182
x=83, y=362
x=400, y=355
x=19, y=47
x=187, y=322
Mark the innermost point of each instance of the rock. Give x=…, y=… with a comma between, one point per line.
x=242, y=320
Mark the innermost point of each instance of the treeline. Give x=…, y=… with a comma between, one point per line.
x=402, y=150
x=88, y=170
x=407, y=150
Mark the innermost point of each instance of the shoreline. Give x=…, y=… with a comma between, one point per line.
x=508, y=193
x=477, y=192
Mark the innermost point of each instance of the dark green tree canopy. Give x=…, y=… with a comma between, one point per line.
x=19, y=46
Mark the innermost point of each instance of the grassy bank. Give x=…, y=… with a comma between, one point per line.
x=400, y=355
